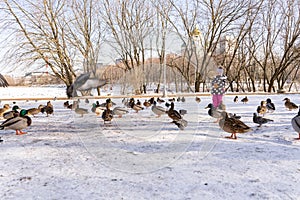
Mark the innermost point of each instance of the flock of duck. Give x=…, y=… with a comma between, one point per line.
x=231, y=123
x=18, y=119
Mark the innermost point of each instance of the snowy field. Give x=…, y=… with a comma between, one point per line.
x=140, y=156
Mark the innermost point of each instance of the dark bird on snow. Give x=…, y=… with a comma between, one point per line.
x=270, y=105
x=236, y=99
x=245, y=99
x=289, y=105
x=260, y=120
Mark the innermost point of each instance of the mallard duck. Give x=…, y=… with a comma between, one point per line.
x=236, y=99
x=245, y=100
x=48, y=109
x=232, y=125
x=35, y=111
x=97, y=108
x=84, y=83
x=172, y=99
x=66, y=104
x=120, y=111
x=198, y=99
x=158, y=110
x=296, y=124
x=80, y=111
x=178, y=99
x=270, y=105
x=13, y=113
x=146, y=103
x=213, y=112
x=182, y=112
x=260, y=120
x=159, y=100
x=5, y=108
x=107, y=114
x=176, y=117
x=262, y=108
x=289, y=105
x=17, y=123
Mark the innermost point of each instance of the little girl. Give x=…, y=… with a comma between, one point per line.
x=218, y=88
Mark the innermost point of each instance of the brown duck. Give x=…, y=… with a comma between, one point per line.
x=290, y=105
x=232, y=125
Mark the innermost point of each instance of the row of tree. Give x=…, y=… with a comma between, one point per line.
x=67, y=34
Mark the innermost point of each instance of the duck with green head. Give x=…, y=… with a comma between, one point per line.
x=17, y=123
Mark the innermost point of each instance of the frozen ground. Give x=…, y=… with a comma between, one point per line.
x=139, y=156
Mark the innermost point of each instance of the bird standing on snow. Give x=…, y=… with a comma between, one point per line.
x=296, y=124
x=176, y=117
x=260, y=120
x=158, y=110
x=107, y=114
x=232, y=125
x=262, y=108
x=270, y=105
x=245, y=100
x=236, y=99
x=17, y=123
x=289, y=105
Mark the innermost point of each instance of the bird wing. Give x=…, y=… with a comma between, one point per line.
x=3, y=82
x=80, y=80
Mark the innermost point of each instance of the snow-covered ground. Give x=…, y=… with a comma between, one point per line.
x=140, y=156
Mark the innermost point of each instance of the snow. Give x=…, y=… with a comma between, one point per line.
x=140, y=156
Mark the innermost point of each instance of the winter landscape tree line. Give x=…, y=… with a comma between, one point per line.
x=256, y=42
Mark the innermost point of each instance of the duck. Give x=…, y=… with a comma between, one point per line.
x=270, y=105
x=146, y=103
x=35, y=111
x=176, y=117
x=296, y=124
x=120, y=111
x=5, y=108
x=213, y=112
x=260, y=120
x=236, y=99
x=84, y=83
x=135, y=106
x=97, y=108
x=159, y=100
x=17, y=123
x=262, y=108
x=48, y=109
x=66, y=104
x=289, y=105
x=245, y=100
x=80, y=111
x=13, y=113
x=178, y=99
x=107, y=114
x=232, y=125
x=198, y=99
x=158, y=110
x=172, y=99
